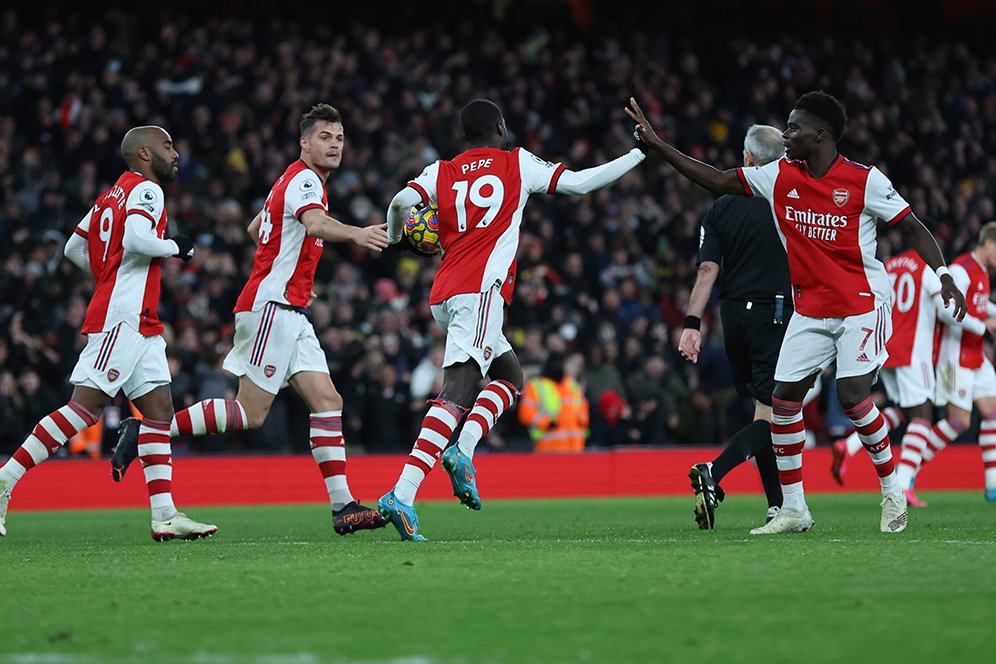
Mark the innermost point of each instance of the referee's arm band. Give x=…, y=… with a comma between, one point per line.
x=692, y=323
x=942, y=270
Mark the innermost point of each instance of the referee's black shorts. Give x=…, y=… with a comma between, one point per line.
x=753, y=340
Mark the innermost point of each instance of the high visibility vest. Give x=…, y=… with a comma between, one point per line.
x=555, y=413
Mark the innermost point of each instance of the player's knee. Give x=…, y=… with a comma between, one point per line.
x=850, y=396
x=960, y=420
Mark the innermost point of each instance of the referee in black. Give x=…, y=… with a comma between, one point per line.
x=739, y=234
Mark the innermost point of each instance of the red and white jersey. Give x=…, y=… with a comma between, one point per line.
x=828, y=227
x=128, y=284
x=283, y=269
x=480, y=194
x=914, y=314
x=959, y=346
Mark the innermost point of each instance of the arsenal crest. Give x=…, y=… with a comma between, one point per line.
x=269, y=370
x=112, y=375
x=841, y=196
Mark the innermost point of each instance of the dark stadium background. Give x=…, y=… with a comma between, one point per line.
x=606, y=276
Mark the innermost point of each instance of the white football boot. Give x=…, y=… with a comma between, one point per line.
x=894, y=513
x=4, y=504
x=787, y=520
x=182, y=526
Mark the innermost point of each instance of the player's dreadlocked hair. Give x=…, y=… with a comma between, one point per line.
x=827, y=108
x=478, y=119
x=318, y=112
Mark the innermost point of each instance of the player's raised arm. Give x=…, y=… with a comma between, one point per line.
x=704, y=175
x=320, y=225
x=920, y=239
x=591, y=179
x=397, y=212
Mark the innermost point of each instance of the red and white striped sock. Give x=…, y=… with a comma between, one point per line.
x=893, y=417
x=496, y=397
x=45, y=439
x=941, y=435
x=914, y=443
x=437, y=427
x=987, y=444
x=157, y=463
x=788, y=437
x=874, y=435
x=329, y=450
x=210, y=416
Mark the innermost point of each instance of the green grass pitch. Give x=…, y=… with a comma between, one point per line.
x=622, y=580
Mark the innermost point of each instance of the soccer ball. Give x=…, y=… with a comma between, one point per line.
x=422, y=230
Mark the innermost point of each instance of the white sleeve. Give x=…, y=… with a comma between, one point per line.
x=398, y=211
x=140, y=238
x=882, y=200
x=590, y=179
x=991, y=309
x=538, y=175
x=77, y=247
x=425, y=184
x=960, y=277
x=760, y=180
x=145, y=208
x=146, y=199
x=305, y=192
x=946, y=316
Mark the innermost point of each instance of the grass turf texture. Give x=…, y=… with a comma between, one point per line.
x=621, y=580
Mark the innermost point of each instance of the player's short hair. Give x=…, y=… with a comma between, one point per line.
x=318, y=112
x=826, y=107
x=988, y=232
x=765, y=143
x=478, y=119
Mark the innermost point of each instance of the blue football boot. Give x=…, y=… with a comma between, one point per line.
x=402, y=516
x=462, y=476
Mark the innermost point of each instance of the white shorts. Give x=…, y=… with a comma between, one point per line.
x=271, y=345
x=856, y=342
x=909, y=386
x=473, y=326
x=959, y=386
x=122, y=359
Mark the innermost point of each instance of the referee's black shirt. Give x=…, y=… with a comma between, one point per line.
x=739, y=234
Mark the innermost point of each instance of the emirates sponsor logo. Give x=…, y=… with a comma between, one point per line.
x=840, y=197
x=816, y=225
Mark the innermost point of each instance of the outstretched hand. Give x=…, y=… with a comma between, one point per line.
x=643, y=129
x=372, y=237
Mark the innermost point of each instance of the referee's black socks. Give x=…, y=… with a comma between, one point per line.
x=754, y=440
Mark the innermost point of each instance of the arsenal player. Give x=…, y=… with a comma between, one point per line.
x=827, y=208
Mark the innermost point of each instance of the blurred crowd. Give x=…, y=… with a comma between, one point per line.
x=603, y=280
